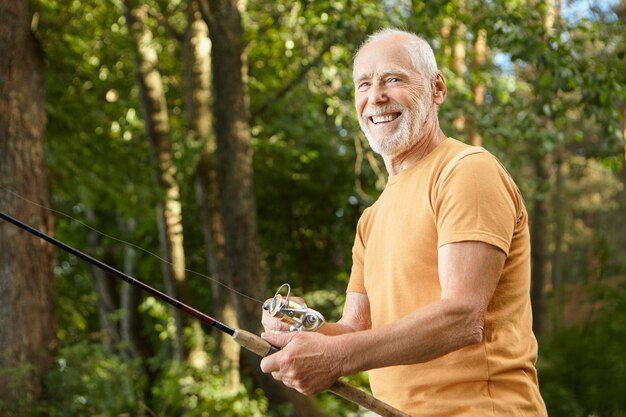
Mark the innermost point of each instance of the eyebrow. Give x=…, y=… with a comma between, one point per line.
x=383, y=74
x=360, y=78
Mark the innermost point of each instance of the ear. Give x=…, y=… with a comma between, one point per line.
x=440, y=91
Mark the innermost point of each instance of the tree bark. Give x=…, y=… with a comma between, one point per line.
x=105, y=289
x=480, y=53
x=227, y=351
x=624, y=136
x=539, y=247
x=559, y=210
x=541, y=215
x=130, y=299
x=234, y=159
x=445, y=32
x=236, y=188
x=458, y=62
x=620, y=10
x=196, y=50
x=27, y=314
x=196, y=60
x=156, y=119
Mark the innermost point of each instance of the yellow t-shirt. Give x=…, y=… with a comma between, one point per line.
x=456, y=193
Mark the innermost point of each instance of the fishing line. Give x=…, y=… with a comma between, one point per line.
x=124, y=242
x=246, y=339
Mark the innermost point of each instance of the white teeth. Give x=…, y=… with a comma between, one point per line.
x=384, y=118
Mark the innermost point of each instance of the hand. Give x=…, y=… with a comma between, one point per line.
x=308, y=362
x=272, y=324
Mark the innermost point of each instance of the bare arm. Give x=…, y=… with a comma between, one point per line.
x=468, y=273
x=356, y=316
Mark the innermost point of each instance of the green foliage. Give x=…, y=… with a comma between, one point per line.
x=582, y=369
x=18, y=402
x=302, y=141
x=89, y=381
x=201, y=393
x=556, y=94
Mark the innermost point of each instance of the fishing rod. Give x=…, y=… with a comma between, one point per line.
x=246, y=339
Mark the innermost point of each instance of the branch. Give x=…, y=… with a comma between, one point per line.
x=205, y=11
x=162, y=20
x=294, y=81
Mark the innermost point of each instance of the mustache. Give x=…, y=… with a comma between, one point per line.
x=378, y=110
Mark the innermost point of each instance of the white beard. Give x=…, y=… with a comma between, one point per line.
x=404, y=137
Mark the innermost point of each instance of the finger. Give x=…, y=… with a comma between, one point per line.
x=269, y=364
x=278, y=339
x=273, y=324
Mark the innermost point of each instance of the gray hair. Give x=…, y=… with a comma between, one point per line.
x=420, y=52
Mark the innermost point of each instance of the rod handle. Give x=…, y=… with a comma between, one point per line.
x=364, y=399
x=254, y=343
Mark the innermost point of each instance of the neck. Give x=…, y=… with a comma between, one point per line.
x=431, y=137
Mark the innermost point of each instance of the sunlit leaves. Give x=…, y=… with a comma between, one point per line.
x=545, y=94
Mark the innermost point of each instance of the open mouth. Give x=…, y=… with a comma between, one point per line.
x=384, y=118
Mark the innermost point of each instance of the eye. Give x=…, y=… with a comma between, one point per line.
x=393, y=80
x=363, y=86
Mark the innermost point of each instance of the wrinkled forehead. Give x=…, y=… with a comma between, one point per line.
x=380, y=57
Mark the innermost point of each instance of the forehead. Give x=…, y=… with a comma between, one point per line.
x=382, y=56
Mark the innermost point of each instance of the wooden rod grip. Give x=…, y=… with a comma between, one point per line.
x=362, y=398
x=254, y=343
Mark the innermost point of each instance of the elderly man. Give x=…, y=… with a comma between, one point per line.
x=438, y=307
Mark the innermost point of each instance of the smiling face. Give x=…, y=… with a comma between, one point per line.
x=393, y=101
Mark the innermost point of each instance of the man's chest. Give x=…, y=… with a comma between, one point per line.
x=400, y=260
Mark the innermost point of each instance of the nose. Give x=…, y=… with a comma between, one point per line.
x=377, y=94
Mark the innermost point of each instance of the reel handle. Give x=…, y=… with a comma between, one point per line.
x=292, y=312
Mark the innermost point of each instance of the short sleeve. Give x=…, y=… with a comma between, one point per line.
x=478, y=201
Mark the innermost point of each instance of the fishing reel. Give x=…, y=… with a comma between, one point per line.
x=292, y=312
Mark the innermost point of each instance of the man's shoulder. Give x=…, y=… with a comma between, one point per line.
x=452, y=154
x=455, y=149
x=459, y=153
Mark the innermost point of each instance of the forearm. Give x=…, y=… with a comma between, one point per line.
x=335, y=329
x=427, y=333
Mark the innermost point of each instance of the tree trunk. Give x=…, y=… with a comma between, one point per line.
x=539, y=246
x=460, y=43
x=227, y=350
x=130, y=298
x=480, y=52
x=234, y=160
x=196, y=51
x=136, y=346
x=169, y=212
x=458, y=63
x=130, y=327
x=27, y=314
x=444, y=32
x=559, y=221
x=198, y=107
x=559, y=210
x=541, y=215
x=620, y=10
x=104, y=287
x=235, y=179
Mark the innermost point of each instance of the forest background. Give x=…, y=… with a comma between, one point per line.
x=221, y=137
